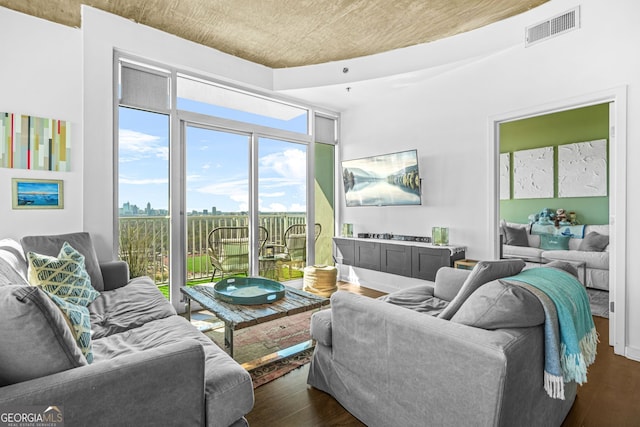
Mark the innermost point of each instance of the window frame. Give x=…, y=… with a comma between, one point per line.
x=178, y=120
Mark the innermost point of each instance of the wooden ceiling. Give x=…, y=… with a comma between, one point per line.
x=289, y=33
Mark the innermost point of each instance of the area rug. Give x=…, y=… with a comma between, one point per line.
x=275, y=370
x=262, y=340
x=599, y=302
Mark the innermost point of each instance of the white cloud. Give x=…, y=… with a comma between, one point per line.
x=227, y=188
x=273, y=207
x=272, y=195
x=281, y=207
x=144, y=181
x=195, y=178
x=134, y=145
x=236, y=190
x=296, y=207
x=291, y=164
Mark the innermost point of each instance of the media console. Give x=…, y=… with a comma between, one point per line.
x=415, y=259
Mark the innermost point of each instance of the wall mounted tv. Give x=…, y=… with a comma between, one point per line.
x=384, y=180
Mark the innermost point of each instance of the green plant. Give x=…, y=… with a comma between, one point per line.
x=135, y=247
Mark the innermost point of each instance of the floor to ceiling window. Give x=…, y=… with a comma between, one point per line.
x=234, y=162
x=143, y=172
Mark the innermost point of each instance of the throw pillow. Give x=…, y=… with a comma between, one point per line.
x=516, y=236
x=483, y=272
x=50, y=245
x=552, y=242
x=80, y=322
x=64, y=276
x=563, y=265
x=594, y=242
x=36, y=339
x=418, y=298
x=499, y=304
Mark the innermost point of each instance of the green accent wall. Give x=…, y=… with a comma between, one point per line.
x=324, y=188
x=566, y=127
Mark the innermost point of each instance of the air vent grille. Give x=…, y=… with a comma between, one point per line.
x=557, y=25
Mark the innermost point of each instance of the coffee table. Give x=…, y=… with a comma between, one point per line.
x=237, y=316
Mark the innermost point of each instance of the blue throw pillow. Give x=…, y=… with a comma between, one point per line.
x=552, y=242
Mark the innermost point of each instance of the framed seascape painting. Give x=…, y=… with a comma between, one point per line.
x=37, y=193
x=385, y=180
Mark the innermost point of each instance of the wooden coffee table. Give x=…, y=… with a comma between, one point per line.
x=237, y=316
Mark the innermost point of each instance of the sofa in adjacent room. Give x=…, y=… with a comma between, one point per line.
x=140, y=363
x=590, y=248
x=468, y=350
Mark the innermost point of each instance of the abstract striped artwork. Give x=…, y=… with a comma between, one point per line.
x=35, y=143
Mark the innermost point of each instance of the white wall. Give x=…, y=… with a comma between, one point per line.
x=445, y=115
x=40, y=75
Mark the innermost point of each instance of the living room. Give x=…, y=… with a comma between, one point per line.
x=442, y=98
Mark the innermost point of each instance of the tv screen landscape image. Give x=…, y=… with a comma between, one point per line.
x=384, y=180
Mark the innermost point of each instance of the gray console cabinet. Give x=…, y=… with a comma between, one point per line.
x=420, y=262
x=367, y=255
x=345, y=251
x=425, y=262
x=396, y=259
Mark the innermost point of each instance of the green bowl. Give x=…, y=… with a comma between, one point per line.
x=248, y=290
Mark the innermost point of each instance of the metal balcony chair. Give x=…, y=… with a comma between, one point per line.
x=294, y=255
x=228, y=249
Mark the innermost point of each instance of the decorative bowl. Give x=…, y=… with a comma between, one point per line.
x=248, y=290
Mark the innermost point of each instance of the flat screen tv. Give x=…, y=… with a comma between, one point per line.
x=384, y=180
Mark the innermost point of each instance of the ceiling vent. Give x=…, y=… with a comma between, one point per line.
x=552, y=27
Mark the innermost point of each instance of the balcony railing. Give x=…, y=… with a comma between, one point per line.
x=144, y=242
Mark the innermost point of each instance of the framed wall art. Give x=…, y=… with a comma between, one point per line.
x=533, y=173
x=34, y=143
x=582, y=169
x=37, y=193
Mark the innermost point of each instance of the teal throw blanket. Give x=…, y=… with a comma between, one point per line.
x=571, y=340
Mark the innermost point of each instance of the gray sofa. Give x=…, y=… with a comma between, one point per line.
x=150, y=366
x=423, y=356
x=596, y=262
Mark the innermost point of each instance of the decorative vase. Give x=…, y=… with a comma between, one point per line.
x=440, y=236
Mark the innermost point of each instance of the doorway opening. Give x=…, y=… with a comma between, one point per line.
x=616, y=98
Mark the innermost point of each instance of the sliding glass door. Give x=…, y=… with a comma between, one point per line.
x=282, y=207
x=216, y=204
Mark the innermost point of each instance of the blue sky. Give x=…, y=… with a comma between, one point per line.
x=217, y=166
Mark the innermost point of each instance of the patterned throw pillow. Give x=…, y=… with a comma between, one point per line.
x=80, y=321
x=64, y=276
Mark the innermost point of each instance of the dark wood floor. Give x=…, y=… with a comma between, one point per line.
x=609, y=398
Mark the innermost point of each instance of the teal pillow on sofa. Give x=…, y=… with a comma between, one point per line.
x=551, y=242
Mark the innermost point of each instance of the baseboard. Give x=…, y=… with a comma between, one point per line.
x=633, y=353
